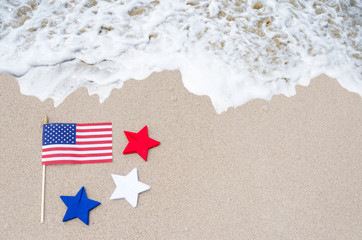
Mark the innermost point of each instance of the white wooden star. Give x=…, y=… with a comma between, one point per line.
x=128, y=187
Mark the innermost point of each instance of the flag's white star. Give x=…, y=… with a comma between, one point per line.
x=128, y=187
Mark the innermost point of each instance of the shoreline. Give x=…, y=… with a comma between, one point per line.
x=288, y=168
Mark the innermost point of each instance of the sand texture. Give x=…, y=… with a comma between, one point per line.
x=289, y=168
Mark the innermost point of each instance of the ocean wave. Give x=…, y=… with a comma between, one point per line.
x=231, y=51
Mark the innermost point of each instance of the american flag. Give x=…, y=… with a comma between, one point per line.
x=77, y=143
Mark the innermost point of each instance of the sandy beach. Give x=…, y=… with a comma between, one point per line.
x=289, y=168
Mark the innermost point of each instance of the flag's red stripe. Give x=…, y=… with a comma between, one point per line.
x=92, y=124
x=75, y=161
x=94, y=142
x=95, y=136
x=95, y=130
x=77, y=155
x=75, y=149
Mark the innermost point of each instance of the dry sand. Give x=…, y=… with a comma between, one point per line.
x=289, y=168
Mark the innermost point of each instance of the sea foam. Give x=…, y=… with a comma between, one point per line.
x=231, y=51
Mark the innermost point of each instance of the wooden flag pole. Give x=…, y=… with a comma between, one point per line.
x=45, y=121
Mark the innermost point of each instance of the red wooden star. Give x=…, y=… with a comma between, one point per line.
x=139, y=143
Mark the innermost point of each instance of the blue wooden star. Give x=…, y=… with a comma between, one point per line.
x=79, y=206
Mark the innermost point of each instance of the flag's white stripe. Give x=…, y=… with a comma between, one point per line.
x=77, y=152
x=76, y=158
x=93, y=139
x=76, y=146
x=94, y=127
x=93, y=133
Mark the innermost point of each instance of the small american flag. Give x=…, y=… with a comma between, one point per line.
x=77, y=143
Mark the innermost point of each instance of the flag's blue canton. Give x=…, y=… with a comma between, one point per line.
x=59, y=133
